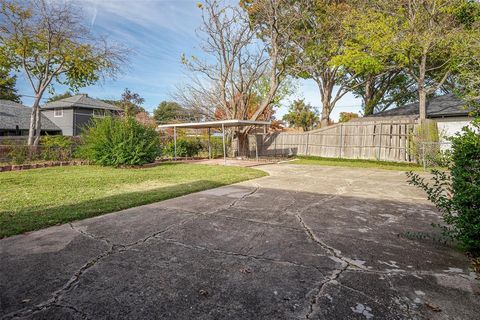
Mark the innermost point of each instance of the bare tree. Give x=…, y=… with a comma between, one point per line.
x=48, y=41
x=239, y=55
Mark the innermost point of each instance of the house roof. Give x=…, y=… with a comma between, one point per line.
x=80, y=100
x=439, y=107
x=14, y=114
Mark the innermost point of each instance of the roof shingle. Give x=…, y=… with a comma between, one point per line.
x=443, y=106
x=14, y=114
x=80, y=100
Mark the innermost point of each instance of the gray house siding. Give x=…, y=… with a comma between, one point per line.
x=65, y=122
x=78, y=112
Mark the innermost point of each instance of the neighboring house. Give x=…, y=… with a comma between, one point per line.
x=73, y=113
x=450, y=113
x=15, y=120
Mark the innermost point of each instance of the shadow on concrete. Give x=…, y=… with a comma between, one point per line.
x=237, y=252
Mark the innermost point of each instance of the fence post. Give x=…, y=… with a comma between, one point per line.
x=423, y=157
x=275, y=146
x=380, y=143
x=306, y=147
x=256, y=146
x=341, y=141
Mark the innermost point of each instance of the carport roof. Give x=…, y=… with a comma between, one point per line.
x=215, y=124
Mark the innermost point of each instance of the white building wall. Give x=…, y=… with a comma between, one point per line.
x=448, y=127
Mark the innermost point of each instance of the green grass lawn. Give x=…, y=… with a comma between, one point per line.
x=34, y=199
x=358, y=163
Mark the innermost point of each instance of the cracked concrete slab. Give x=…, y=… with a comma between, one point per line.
x=306, y=242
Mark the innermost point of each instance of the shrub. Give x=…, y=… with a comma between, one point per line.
x=56, y=148
x=18, y=154
x=457, y=194
x=119, y=141
x=186, y=147
x=421, y=142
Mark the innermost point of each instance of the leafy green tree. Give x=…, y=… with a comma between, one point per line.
x=430, y=40
x=168, y=111
x=47, y=40
x=380, y=81
x=7, y=86
x=347, y=116
x=66, y=94
x=301, y=115
x=317, y=38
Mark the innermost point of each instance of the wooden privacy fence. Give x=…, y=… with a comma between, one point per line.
x=386, y=140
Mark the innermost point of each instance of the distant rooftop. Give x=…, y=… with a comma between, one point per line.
x=80, y=100
x=439, y=107
x=14, y=114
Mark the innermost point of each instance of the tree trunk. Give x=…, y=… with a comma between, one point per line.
x=31, y=130
x=368, y=99
x=422, y=104
x=326, y=110
x=326, y=85
x=38, y=126
x=422, y=92
x=243, y=144
x=35, y=123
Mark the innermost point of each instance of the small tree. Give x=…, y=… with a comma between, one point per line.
x=168, y=111
x=47, y=40
x=301, y=115
x=131, y=102
x=347, y=116
x=66, y=94
x=7, y=87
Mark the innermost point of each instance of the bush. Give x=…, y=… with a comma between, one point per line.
x=18, y=154
x=56, y=148
x=421, y=142
x=119, y=141
x=186, y=147
x=457, y=194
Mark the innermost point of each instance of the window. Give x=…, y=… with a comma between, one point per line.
x=58, y=113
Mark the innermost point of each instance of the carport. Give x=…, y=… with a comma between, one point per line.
x=214, y=124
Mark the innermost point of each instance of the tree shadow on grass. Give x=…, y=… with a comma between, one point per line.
x=34, y=218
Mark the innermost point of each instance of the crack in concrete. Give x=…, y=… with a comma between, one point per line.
x=82, y=315
x=242, y=255
x=113, y=249
x=345, y=263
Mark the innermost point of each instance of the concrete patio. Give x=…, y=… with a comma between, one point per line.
x=307, y=242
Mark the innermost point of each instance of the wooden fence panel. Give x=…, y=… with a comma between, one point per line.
x=385, y=140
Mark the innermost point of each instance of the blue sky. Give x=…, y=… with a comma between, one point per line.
x=159, y=31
